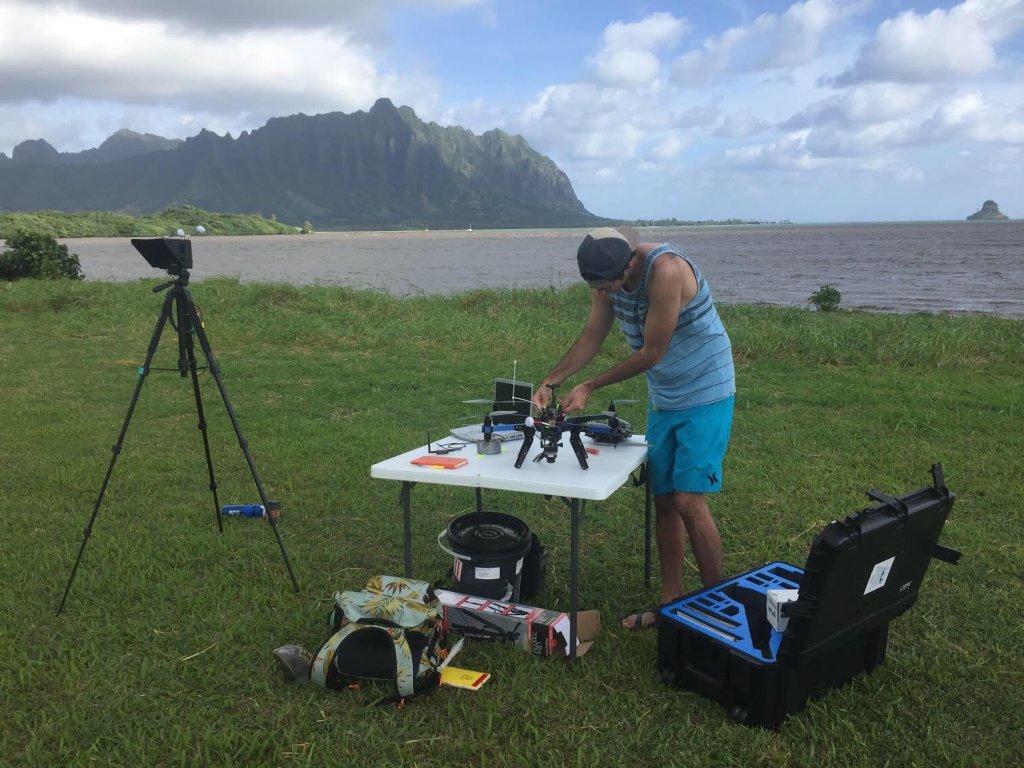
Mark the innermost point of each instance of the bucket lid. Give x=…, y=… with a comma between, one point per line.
x=479, y=533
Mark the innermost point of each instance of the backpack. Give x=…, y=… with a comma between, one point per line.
x=392, y=630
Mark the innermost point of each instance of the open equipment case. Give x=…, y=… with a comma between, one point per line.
x=861, y=573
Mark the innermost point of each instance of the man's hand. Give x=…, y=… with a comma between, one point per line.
x=542, y=396
x=577, y=398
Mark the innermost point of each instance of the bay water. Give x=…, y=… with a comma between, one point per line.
x=956, y=267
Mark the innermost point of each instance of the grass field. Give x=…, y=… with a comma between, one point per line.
x=162, y=655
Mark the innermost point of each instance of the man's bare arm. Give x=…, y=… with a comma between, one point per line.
x=668, y=282
x=584, y=349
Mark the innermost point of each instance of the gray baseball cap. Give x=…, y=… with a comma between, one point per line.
x=604, y=252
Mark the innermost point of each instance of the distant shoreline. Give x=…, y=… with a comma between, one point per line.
x=168, y=223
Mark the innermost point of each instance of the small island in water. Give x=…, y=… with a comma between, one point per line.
x=989, y=212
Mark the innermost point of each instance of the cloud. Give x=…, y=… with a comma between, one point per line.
x=883, y=118
x=937, y=46
x=700, y=116
x=969, y=118
x=629, y=52
x=739, y=125
x=669, y=148
x=867, y=145
x=78, y=53
x=582, y=120
x=866, y=104
x=788, y=152
x=771, y=41
x=204, y=16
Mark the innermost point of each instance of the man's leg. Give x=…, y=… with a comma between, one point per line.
x=679, y=515
x=686, y=451
x=670, y=532
x=703, y=533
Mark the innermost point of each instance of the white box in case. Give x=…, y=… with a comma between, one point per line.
x=773, y=606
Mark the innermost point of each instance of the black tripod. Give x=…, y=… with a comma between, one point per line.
x=176, y=257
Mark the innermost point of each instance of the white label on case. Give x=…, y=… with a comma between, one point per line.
x=487, y=573
x=879, y=574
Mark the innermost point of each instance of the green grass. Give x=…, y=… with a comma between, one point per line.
x=162, y=656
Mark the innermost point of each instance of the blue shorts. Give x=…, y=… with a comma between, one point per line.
x=687, y=447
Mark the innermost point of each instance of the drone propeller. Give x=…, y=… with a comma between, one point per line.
x=610, y=413
x=503, y=413
x=479, y=401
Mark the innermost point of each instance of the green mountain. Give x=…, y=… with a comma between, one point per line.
x=384, y=168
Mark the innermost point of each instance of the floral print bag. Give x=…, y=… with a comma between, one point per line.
x=392, y=630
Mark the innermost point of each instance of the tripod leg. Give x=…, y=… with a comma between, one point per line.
x=154, y=342
x=187, y=349
x=214, y=366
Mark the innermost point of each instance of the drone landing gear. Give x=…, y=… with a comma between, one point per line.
x=578, y=449
x=549, y=444
x=528, y=433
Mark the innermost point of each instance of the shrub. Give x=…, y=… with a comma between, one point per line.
x=31, y=254
x=826, y=298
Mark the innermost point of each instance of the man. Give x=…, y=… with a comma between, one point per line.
x=664, y=307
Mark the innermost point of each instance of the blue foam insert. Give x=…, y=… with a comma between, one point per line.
x=713, y=612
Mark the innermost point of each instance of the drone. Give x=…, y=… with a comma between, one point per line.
x=552, y=422
x=605, y=427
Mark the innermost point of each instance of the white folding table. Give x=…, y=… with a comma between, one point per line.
x=607, y=471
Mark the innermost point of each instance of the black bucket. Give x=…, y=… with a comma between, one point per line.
x=535, y=569
x=488, y=548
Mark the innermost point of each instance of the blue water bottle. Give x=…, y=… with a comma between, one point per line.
x=243, y=510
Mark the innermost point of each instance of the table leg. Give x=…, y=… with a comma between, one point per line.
x=575, y=508
x=647, y=523
x=479, y=499
x=407, y=525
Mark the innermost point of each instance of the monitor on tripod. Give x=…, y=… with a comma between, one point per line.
x=173, y=254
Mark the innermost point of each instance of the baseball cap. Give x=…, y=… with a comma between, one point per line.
x=604, y=252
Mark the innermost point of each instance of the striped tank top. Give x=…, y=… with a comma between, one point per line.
x=697, y=366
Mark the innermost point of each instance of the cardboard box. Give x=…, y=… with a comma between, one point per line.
x=773, y=606
x=534, y=630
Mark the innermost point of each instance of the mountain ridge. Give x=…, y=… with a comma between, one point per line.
x=383, y=168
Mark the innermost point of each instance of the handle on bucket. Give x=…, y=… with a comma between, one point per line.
x=443, y=535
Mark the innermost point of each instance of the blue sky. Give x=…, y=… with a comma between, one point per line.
x=820, y=110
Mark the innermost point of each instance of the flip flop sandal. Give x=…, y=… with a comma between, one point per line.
x=638, y=618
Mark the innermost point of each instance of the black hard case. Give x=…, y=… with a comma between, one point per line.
x=718, y=641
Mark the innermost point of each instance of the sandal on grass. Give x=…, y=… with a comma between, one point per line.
x=644, y=619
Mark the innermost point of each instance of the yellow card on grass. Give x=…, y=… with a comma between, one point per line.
x=463, y=678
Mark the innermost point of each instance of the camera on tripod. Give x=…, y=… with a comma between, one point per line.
x=173, y=254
